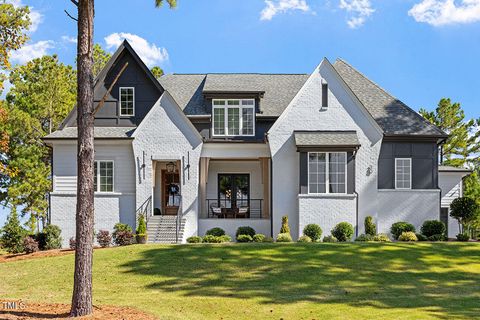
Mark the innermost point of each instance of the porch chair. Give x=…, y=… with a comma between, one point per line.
x=242, y=212
x=216, y=210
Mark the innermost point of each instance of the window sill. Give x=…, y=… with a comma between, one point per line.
x=97, y=194
x=327, y=196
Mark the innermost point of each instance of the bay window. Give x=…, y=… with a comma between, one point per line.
x=327, y=172
x=103, y=176
x=233, y=117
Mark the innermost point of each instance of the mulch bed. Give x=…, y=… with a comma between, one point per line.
x=33, y=310
x=38, y=254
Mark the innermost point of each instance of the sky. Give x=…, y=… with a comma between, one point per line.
x=418, y=50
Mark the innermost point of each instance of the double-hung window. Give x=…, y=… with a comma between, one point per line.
x=103, y=176
x=327, y=172
x=127, y=101
x=233, y=117
x=403, y=173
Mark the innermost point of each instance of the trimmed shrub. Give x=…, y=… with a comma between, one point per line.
x=343, y=231
x=285, y=228
x=225, y=238
x=141, y=229
x=214, y=239
x=465, y=210
x=407, y=236
x=437, y=237
x=432, y=227
x=313, y=231
x=284, y=237
x=104, y=238
x=399, y=227
x=463, y=237
x=421, y=237
x=194, y=239
x=330, y=239
x=381, y=237
x=12, y=234
x=268, y=240
x=72, y=243
x=370, y=228
x=244, y=238
x=304, y=239
x=217, y=232
x=30, y=245
x=123, y=238
x=52, y=237
x=245, y=230
x=259, y=237
x=364, y=238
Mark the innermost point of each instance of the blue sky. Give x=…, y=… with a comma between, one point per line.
x=419, y=50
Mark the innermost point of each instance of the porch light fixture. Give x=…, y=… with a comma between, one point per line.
x=170, y=167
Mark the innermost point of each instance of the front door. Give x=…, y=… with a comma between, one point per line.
x=233, y=190
x=170, y=192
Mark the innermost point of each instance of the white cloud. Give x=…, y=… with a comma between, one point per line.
x=149, y=52
x=35, y=16
x=69, y=39
x=358, y=10
x=443, y=12
x=31, y=51
x=282, y=6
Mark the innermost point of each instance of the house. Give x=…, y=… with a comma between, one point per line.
x=196, y=151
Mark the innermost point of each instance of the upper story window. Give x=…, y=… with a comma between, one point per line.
x=327, y=172
x=403, y=173
x=233, y=117
x=127, y=101
x=103, y=176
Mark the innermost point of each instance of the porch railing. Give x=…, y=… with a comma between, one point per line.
x=239, y=209
x=145, y=209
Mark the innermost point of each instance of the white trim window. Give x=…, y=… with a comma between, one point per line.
x=103, y=170
x=403, y=173
x=233, y=117
x=127, y=101
x=327, y=172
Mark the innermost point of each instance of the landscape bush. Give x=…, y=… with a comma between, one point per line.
x=432, y=227
x=104, y=238
x=194, y=239
x=381, y=237
x=421, y=237
x=244, y=238
x=30, y=245
x=53, y=240
x=364, y=238
x=437, y=237
x=259, y=237
x=370, y=228
x=313, y=231
x=465, y=210
x=284, y=237
x=463, y=237
x=72, y=243
x=12, y=234
x=399, y=227
x=122, y=234
x=225, y=238
x=305, y=238
x=285, y=227
x=217, y=232
x=407, y=236
x=330, y=239
x=268, y=240
x=343, y=231
x=141, y=232
x=245, y=230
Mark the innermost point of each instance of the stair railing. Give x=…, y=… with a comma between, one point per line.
x=145, y=209
x=178, y=220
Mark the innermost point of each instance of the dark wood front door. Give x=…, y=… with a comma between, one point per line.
x=170, y=200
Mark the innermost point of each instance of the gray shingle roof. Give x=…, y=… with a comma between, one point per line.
x=279, y=89
x=392, y=115
x=326, y=138
x=99, y=133
x=453, y=169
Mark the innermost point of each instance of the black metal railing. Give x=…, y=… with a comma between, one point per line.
x=145, y=209
x=235, y=209
x=178, y=219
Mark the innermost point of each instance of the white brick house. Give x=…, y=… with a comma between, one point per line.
x=197, y=151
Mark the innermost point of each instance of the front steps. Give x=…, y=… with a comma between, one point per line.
x=162, y=229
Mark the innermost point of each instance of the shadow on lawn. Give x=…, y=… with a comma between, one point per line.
x=431, y=276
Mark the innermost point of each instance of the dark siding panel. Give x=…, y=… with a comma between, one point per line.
x=350, y=173
x=261, y=128
x=424, y=164
x=303, y=172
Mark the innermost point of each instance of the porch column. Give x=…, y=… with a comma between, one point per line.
x=265, y=165
x=204, y=163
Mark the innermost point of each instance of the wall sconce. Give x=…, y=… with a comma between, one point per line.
x=170, y=167
x=369, y=171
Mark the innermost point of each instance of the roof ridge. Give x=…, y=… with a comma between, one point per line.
x=239, y=73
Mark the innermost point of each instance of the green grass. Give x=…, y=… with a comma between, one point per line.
x=268, y=281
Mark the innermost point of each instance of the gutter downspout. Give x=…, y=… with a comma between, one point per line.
x=271, y=197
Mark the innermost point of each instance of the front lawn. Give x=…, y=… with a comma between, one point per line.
x=268, y=281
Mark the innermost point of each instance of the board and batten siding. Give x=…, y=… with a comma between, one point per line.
x=65, y=166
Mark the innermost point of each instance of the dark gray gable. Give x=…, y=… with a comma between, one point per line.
x=147, y=90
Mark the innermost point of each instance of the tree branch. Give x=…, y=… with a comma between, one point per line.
x=70, y=16
x=74, y=2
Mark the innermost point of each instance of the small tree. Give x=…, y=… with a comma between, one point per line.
x=285, y=228
x=465, y=210
x=13, y=233
x=370, y=227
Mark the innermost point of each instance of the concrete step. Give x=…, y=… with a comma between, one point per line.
x=163, y=229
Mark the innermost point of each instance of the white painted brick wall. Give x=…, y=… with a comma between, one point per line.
x=165, y=134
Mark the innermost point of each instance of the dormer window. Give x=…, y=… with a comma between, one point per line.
x=233, y=117
x=127, y=101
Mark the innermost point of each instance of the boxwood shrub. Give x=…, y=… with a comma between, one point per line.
x=217, y=232
x=330, y=239
x=313, y=231
x=244, y=238
x=407, y=236
x=284, y=237
x=245, y=230
x=364, y=238
x=259, y=237
x=399, y=227
x=343, y=231
x=432, y=227
x=194, y=239
x=304, y=239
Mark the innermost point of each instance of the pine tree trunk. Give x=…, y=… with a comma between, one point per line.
x=82, y=288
